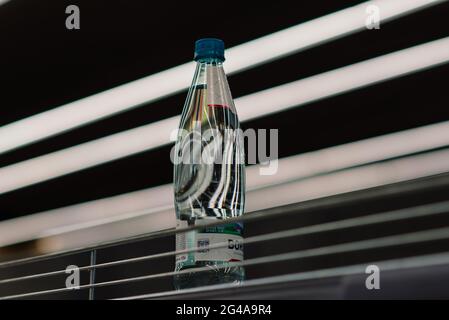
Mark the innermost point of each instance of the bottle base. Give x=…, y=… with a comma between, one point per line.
x=233, y=275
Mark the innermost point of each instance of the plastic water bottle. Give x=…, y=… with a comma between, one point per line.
x=209, y=174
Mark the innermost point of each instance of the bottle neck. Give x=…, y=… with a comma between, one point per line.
x=210, y=61
x=209, y=70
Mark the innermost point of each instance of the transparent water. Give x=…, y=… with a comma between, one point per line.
x=209, y=176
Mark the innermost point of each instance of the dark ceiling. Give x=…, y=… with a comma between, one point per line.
x=44, y=65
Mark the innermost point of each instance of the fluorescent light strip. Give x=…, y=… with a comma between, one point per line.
x=344, y=79
x=352, y=154
x=353, y=179
x=119, y=227
x=259, y=104
x=299, y=167
x=174, y=80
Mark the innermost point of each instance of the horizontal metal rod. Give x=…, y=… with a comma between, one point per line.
x=376, y=243
x=390, y=216
x=301, y=207
x=422, y=261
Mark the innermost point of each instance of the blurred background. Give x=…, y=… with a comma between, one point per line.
x=361, y=111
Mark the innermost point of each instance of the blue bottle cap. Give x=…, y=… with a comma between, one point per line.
x=209, y=48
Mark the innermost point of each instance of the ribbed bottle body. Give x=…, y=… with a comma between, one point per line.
x=209, y=179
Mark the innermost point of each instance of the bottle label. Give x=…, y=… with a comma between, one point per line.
x=229, y=234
